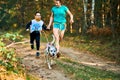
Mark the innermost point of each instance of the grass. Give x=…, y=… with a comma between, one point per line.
x=104, y=47
x=31, y=77
x=77, y=71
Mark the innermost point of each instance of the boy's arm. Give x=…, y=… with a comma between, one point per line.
x=44, y=27
x=28, y=25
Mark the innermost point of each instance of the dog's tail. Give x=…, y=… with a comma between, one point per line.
x=53, y=39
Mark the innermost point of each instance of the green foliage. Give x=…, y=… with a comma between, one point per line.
x=1, y=43
x=7, y=13
x=9, y=63
x=8, y=57
x=12, y=36
x=31, y=77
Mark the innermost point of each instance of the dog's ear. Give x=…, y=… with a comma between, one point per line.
x=48, y=48
x=53, y=44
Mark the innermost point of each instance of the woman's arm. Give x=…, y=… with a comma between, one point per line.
x=71, y=16
x=50, y=22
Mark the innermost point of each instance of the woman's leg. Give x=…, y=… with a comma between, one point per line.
x=62, y=34
x=62, y=31
x=56, y=34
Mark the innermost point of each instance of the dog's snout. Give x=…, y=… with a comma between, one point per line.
x=53, y=54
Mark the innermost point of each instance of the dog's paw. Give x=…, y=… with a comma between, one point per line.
x=53, y=62
x=49, y=66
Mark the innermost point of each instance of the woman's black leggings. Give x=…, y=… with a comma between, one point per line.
x=35, y=35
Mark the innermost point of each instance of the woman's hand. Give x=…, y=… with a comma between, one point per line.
x=71, y=17
x=71, y=21
x=48, y=27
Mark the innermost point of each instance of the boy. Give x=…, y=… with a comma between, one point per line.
x=36, y=25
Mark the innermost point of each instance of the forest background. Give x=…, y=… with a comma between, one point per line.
x=96, y=27
x=93, y=19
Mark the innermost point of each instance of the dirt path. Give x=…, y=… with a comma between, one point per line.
x=38, y=67
x=91, y=60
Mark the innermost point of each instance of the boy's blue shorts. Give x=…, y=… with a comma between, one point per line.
x=60, y=26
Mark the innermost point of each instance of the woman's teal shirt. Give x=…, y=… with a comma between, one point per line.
x=59, y=14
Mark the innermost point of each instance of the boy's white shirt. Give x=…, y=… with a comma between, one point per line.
x=36, y=25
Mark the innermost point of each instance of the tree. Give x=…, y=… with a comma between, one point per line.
x=84, y=28
x=7, y=13
x=92, y=12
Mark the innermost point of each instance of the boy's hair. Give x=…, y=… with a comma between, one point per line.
x=36, y=12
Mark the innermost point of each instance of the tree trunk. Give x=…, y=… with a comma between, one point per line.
x=85, y=17
x=92, y=12
x=111, y=21
x=118, y=16
x=103, y=14
x=22, y=12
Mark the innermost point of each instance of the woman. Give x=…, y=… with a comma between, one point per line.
x=58, y=17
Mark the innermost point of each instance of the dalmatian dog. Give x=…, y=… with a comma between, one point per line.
x=50, y=52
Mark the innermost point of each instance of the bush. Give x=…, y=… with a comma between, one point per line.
x=12, y=37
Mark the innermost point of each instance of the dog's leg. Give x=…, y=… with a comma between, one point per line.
x=47, y=60
x=45, y=57
x=53, y=61
x=49, y=63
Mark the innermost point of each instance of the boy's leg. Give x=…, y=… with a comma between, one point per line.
x=37, y=43
x=32, y=37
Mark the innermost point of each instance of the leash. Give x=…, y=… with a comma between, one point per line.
x=52, y=42
x=45, y=36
